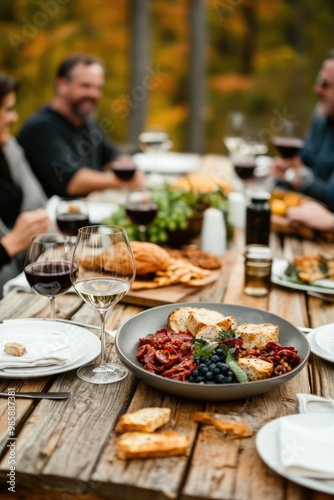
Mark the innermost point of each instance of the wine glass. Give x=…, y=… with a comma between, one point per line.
x=102, y=272
x=124, y=170
x=234, y=131
x=141, y=210
x=154, y=141
x=288, y=143
x=47, y=266
x=71, y=215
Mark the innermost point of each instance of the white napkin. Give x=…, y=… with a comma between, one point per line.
x=43, y=349
x=309, y=403
x=307, y=452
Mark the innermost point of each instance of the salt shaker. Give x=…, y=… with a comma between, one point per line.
x=213, y=235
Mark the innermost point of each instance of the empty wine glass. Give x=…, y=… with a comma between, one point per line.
x=71, y=215
x=154, y=141
x=102, y=272
x=234, y=131
x=141, y=209
x=47, y=266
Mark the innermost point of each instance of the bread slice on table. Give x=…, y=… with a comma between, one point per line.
x=257, y=336
x=229, y=424
x=143, y=420
x=177, y=320
x=255, y=368
x=132, y=445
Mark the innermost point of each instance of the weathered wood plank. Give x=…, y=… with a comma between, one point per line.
x=153, y=479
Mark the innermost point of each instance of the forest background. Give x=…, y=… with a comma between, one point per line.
x=262, y=57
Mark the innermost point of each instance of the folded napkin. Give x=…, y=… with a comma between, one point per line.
x=307, y=450
x=309, y=403
x=306, y=445
x=43, y=348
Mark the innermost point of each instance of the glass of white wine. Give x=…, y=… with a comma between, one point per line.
x=234, y=131
x=102, y=272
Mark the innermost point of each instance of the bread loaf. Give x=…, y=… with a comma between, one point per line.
x=149, y=258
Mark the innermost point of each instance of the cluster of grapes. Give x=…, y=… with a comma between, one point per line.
x=212, y=370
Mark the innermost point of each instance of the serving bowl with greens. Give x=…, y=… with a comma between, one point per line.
x=179, y=216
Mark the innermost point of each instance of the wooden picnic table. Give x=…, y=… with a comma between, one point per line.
x=66, y=449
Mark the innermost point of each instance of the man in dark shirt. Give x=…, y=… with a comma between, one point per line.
x=68, y=152
x=312, y=173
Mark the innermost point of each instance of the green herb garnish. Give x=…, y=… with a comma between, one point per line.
x=203, y=348
x=233, y=365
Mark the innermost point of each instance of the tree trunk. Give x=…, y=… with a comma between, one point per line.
x=139, y=68
x=249, y=43
x=197, y=76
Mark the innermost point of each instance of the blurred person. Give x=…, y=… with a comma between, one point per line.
x=21, y=196
x=311, y=214
x=67, y=150
x=312, y=172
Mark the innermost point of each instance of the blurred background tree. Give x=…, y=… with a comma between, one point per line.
x=261, y=57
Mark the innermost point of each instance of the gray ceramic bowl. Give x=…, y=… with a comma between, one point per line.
x=156, y=318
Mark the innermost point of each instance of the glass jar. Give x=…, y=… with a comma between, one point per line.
x=258, y=262
x=258, y=219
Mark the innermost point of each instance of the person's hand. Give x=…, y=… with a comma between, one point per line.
x=311, y=214
x=27, y=224
x=280, y=165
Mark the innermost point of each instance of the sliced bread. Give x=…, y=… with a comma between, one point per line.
x=255, y=368
x=257, y=336
x=132, y=445
x=178, y=319
x=143, y=420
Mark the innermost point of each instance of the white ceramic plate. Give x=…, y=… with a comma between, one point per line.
x=267, y=447
x=85, y=346
x=279, y=277
x=99, y=211
x=167, y=163
x=154, y=319
x=321, y=342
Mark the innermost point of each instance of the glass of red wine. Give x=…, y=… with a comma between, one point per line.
x=288, y=143
x=123, y=170
x=141, y=210
x=71, y=215
x=47, y=266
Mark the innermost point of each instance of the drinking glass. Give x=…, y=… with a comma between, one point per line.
x=123, y=170
x=141, y=210
x=288, y=143
x=102, y=272
x=154, y=141
x=47, y=266
x=234, y=131
x=71, y=215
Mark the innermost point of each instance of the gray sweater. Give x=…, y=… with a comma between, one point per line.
x=33, y=197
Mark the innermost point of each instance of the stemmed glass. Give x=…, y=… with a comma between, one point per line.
x=288, y=143
x=71, y=215
x=234, y=131
x=102, y=272
x=47, y=266
x=154, y=141
x=123, y=170
x=141, y=210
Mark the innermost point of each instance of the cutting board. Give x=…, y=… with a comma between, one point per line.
x=165, y=295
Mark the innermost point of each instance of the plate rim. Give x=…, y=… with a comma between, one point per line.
x=270, y=428
x=316, y=348
x=209, y=388
x=93, y=351
x=279, y=280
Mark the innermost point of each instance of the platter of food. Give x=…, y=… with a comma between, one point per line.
x=308, y=273
x=168, y=276
x=195, y=325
